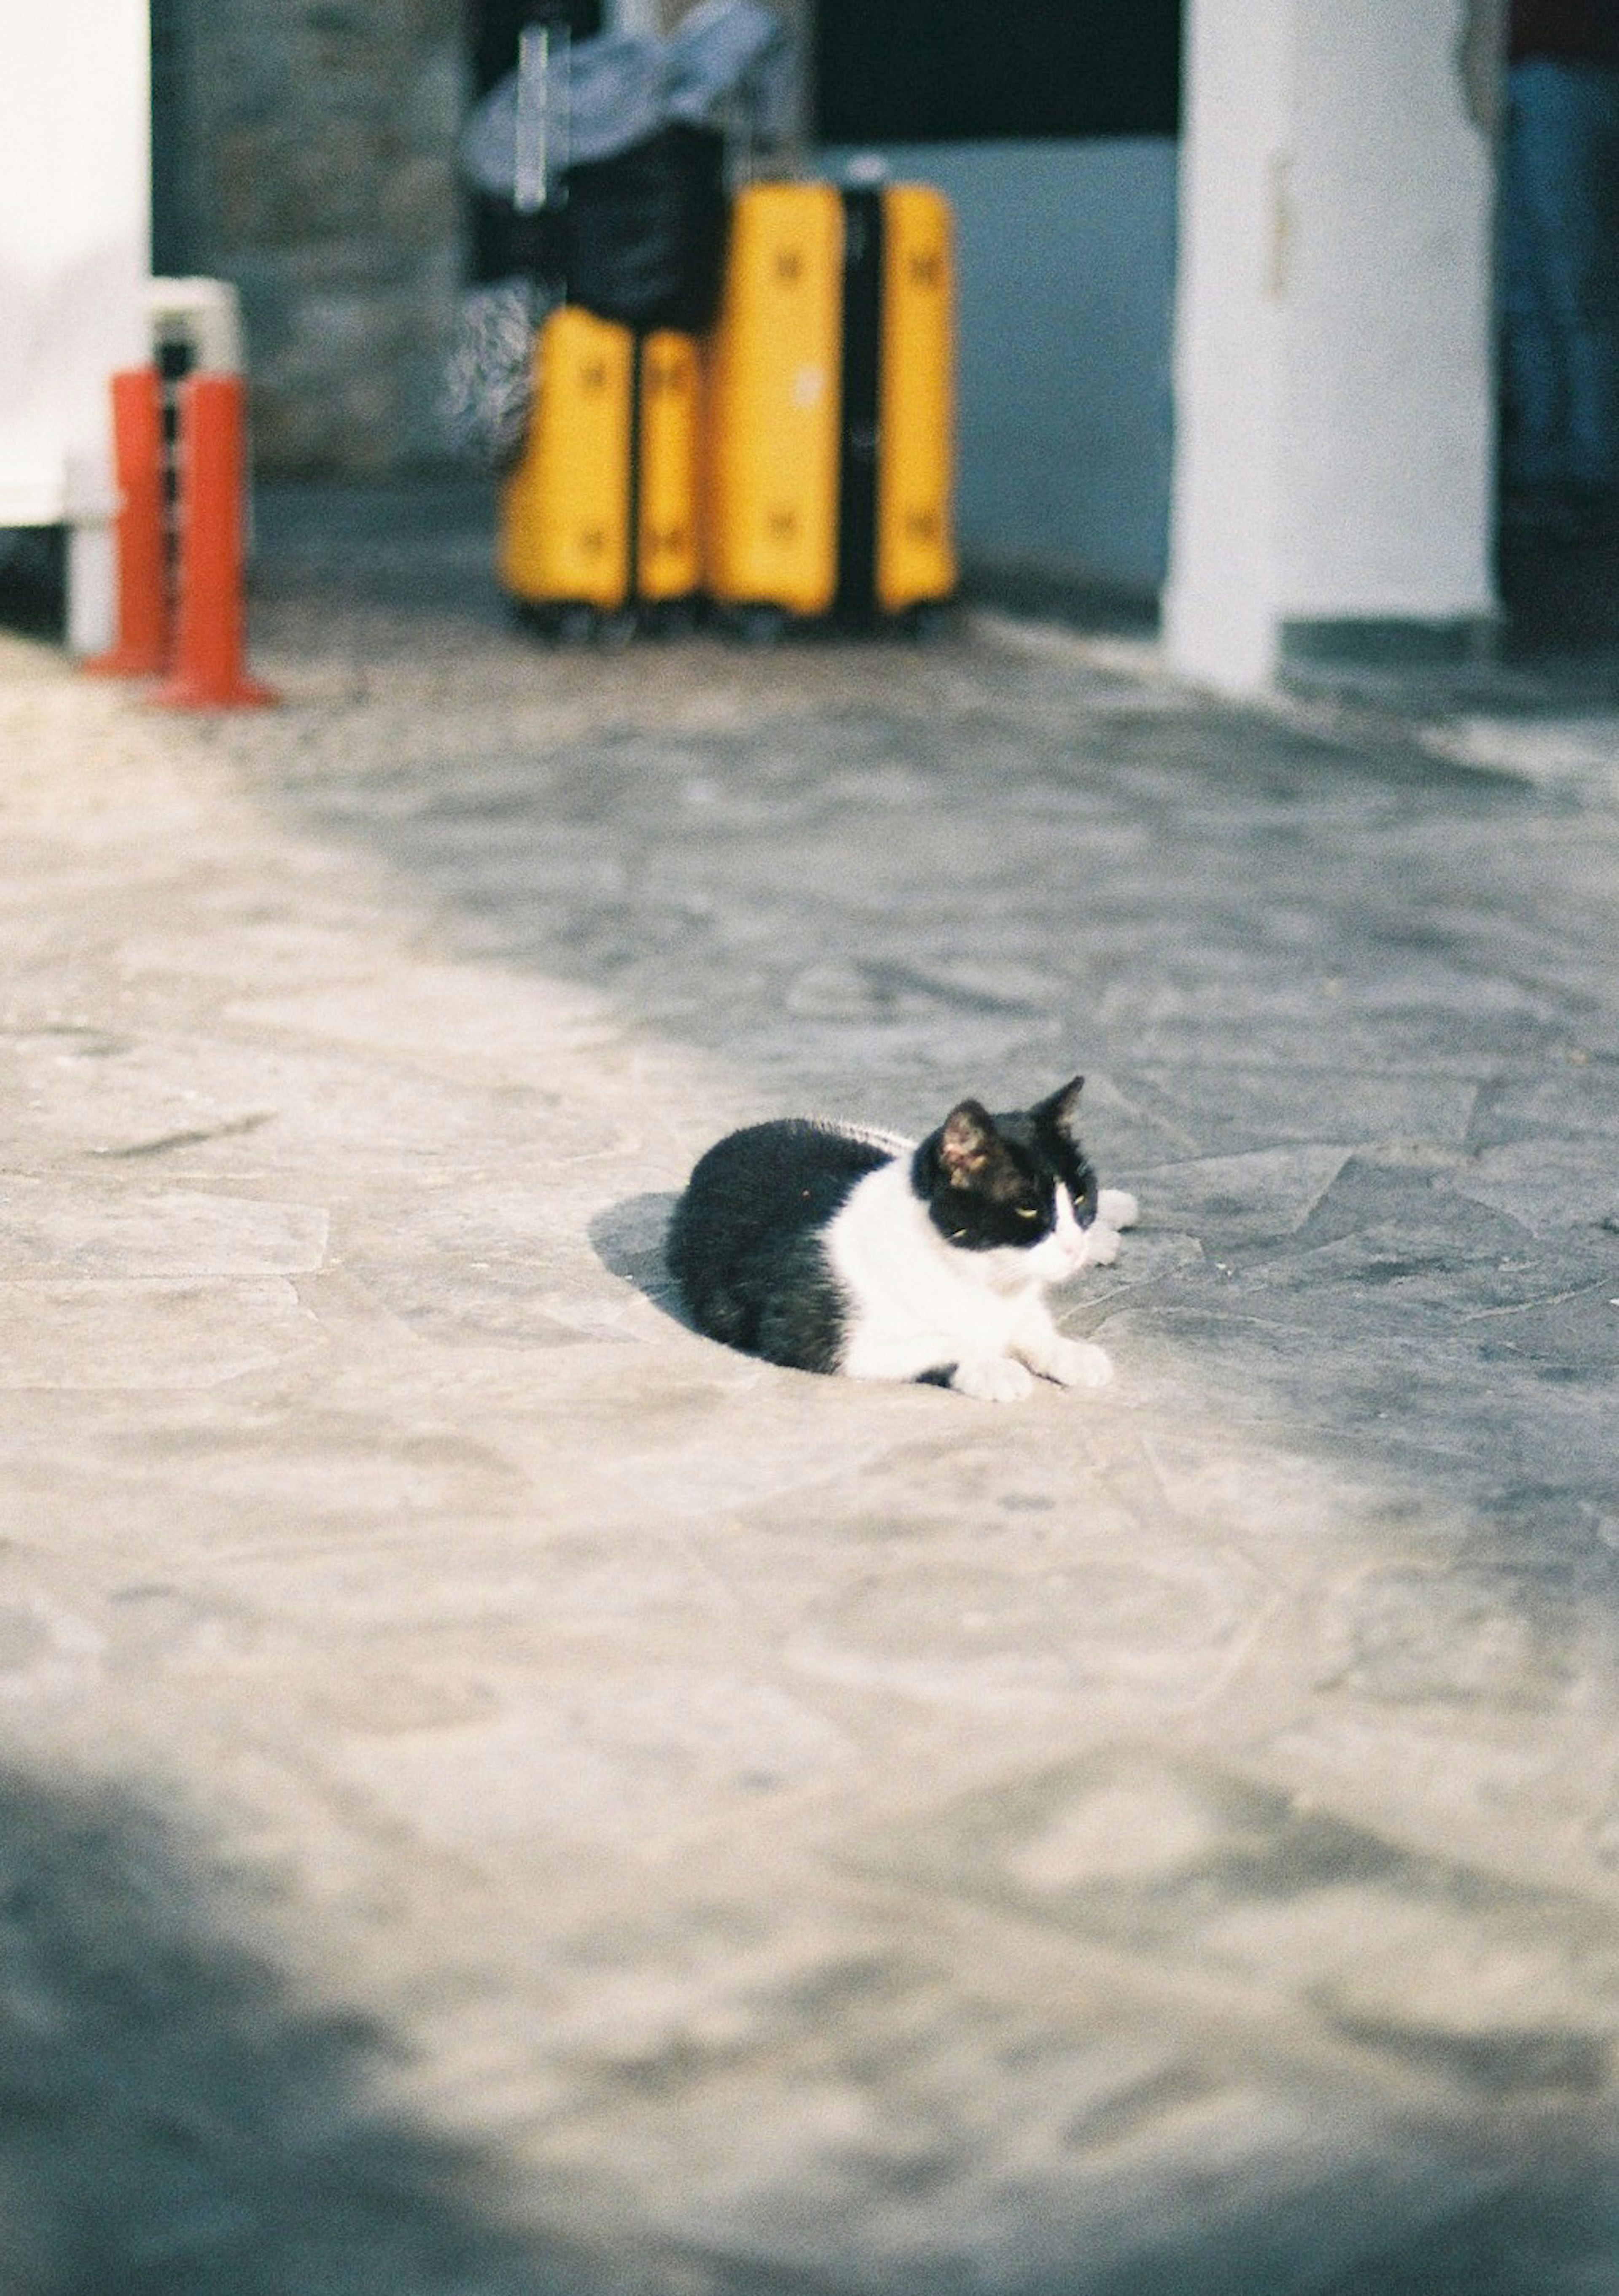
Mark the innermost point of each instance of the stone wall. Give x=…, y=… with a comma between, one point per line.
x=319, y=171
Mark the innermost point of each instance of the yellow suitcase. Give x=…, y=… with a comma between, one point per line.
x=773, y=402
x=916, y=559
x=601, y=510
x=830, y=413
x=564, y=509
x=669, y=551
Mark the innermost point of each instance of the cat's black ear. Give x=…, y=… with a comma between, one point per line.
x=1063, y=1106
x=965, y=1141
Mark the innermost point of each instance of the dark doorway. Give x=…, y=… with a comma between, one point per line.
x=492, y=27
x=925, y=71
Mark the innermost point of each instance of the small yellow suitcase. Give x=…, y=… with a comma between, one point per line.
x=830, y=413
x=916, y=560
x=668, y=554
x=600, y=511
x=565, y=511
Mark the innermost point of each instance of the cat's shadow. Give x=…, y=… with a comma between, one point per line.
x=629, y=1240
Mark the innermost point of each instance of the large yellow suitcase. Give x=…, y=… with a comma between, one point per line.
x=830, y=403
x=773, y=402
x=600, y=511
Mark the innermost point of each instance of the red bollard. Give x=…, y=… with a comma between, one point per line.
x=208, y=671
x=141, y=648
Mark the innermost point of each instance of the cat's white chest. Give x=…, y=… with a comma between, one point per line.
x=914, y=1304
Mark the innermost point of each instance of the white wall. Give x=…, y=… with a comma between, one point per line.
x=75, y=235
x=1334, y=387
x=1067, y=280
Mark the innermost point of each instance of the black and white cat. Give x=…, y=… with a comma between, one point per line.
x=834, y=1249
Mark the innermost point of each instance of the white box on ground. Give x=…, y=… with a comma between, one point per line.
x=75, y=256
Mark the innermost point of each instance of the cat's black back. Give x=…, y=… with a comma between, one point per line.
x=745, y=1243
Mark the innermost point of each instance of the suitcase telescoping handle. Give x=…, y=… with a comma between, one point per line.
x=540, y=170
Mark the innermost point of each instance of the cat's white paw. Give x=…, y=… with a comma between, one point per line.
x=1102, y=1245
x=1117, y=1208
x=1075, y=1363
x=993, y=1379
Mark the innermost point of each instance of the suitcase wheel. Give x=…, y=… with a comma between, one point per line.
x=560, y=622
x=761, y=626
x=576, y=625
x=929, y=622
x=669, y=617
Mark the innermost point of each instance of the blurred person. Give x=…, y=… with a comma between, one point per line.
x=1560, y=267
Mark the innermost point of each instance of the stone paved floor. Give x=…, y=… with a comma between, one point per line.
x=501, y=1795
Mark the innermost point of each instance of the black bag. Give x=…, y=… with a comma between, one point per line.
x=645, y=231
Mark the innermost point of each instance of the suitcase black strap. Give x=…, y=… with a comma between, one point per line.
x=863, y=215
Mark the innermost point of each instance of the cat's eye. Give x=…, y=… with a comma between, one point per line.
x=1028, y=1211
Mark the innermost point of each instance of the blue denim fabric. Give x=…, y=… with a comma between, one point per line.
x=1560, y=275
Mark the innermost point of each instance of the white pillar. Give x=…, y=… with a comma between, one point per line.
x=1334, y=475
